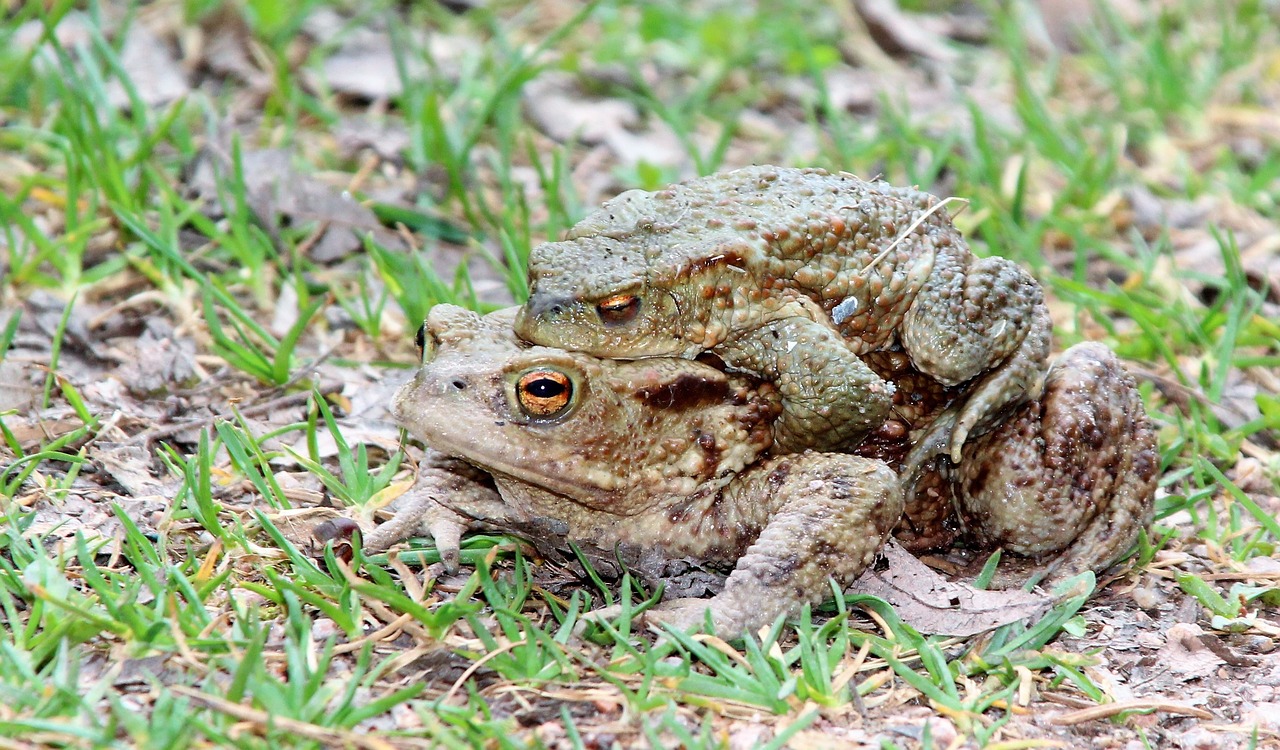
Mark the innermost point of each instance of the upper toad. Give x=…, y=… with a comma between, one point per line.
x=791, y=274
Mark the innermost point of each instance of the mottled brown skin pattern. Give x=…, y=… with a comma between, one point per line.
x=756, y=264
x=676, y=454
x=1074, y=470
x=929, y=520
x=666, y=452
x=1068, y=477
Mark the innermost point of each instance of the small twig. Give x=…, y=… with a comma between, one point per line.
x=382, y=611
x=1063, y=699
x=288, y=399
x=1223, y=652
x=382, y=634
x=719, y=644
x=1245, y=729
x=1107, y=710
x=848, y=673
x=911, y=228
x=479, y=663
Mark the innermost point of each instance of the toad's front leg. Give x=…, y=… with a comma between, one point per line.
x=833, y=511
x=448, y=497
x=830, y=398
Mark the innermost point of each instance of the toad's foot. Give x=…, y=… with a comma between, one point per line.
x=834, y=513
x=1072, y=473
x=449, y=497
x=830, y=398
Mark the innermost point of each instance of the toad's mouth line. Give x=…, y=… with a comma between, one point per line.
x=557, y=477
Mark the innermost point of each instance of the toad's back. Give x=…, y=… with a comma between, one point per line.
x=864, y=247
x=792, y=275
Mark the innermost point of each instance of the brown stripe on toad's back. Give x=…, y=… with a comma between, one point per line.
x=698, y=266
x=687, y=391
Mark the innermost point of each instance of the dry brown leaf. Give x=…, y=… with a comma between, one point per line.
x=365, y=64
x=931, y=604
x=153, y=70
x=1185, y=655
x=297, y=524
x=564, y=112
x=902, y=33
x=226, y=50
x=75, y=29
x=279, y=193
x=130, y=467
x=1060, y=23
x=16, y=392
x=157, y=362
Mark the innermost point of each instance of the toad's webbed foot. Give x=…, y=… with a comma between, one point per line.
x=447, y=499
x=985, y=323
x=1071, y=474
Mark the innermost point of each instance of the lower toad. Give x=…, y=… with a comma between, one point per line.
x=676, y=454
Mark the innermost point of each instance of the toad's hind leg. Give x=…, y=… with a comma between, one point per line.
x=985, y=319
x=834, y=512
x=1071, y=473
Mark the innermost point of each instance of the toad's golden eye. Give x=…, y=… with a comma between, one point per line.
x=618, y=309
x=544, y=393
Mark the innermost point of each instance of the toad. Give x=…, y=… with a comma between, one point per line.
x=790, y=275
x=679, y=455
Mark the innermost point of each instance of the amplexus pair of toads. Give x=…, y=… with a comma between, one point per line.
x=766, y=366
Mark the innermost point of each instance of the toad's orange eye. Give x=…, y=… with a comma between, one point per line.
x=618, y=309
x=544, y=393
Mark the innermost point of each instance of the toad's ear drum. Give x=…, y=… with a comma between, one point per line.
x=685, y=390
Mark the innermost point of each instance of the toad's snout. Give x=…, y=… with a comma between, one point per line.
x=543, y=306
x=430, y=392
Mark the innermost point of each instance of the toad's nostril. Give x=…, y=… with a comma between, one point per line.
x=459, y=383
x=543, y=304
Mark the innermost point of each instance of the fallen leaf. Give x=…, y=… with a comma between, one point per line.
x=152, y=68
x=130, y=467
x=931, y=604
x=897, y=32
x=17, y=394
x=564, y=112
x=366, y=64
x=227, y=49
x=278, y=194
x=1185, y=655
x=158, y=361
